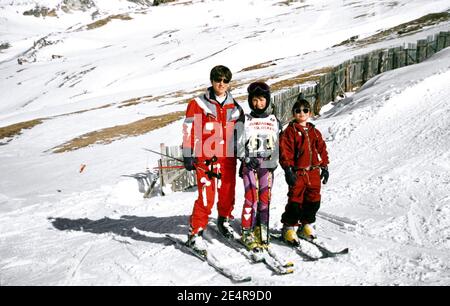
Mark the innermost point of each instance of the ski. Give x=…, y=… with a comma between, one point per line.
x=298, y=249
x=266, y=256
x=207, y=258
x=325, y=251
x=270, y=258
x=275, y=256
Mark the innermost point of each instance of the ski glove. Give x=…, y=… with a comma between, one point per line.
x=189, y=163
x=290, y=176
x=324, y=174
x=252, y=163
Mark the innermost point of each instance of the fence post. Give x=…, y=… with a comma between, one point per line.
x=374, y=64
x=331, y=82
x=354, y=73
x=431, y=46
x=440, y=41
x=162, y=163
x=382, y=61
x=411, y=54
x=421, y=50
x=310, y=94
x=348, y=80
x=447, y=39
x=365, y=68
x=318, y=99
x=161, y=179
x=391, y=55
x=399, y=58
x=340, y=80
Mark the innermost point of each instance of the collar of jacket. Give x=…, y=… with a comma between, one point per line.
x=262, y=115
x=211, y=96
x=297, y=125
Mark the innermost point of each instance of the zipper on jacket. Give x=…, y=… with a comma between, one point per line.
x=309, y=148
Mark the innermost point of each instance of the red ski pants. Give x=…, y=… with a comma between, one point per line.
x=303, y=198
x=212, y=190
x=307, y=187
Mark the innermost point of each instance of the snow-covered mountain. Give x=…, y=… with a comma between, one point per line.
x=111, y=63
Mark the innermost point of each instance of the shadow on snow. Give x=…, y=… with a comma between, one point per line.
x=128, y=226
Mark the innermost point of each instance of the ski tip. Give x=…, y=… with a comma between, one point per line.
x=288, y=271
x=173, y=239
x=244, y=280
x=289, y=264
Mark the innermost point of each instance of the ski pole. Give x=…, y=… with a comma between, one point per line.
x=209, y=162
x=255, y=173
x=162, y=154
x=169, y=167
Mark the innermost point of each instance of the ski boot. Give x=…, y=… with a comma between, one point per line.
x=224, y=227
x=306, y=231
x=261, y=234
x=197, y=243
x=290, y=235
x=249, y=240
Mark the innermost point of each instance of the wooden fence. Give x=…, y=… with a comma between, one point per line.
x=178, y=179
x=346, y=77
x=352, y=74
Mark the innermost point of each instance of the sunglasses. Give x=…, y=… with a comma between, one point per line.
x=299, y=110
x=258, y=87
x=218, y=80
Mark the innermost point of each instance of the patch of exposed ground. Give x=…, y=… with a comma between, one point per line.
x=403, y=29
x=10, y=131
x=41, y=11
x=258, y=66
x=417, y=24
x=310, y=76
x=105, y=21
x=4, y=45
x=289, y=2
x=108, y=135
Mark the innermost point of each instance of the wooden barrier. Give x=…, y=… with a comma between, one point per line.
x=351, y=75
x=178, y=178
x=284, y=101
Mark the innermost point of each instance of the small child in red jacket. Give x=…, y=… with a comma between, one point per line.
x=304, y=158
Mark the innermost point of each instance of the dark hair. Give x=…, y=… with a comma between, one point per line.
x=301, y=102
x=219, y=72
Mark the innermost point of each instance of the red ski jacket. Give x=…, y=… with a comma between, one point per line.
x=302, y=147
x=209, y=127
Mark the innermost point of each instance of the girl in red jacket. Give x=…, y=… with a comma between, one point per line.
x=304, y=158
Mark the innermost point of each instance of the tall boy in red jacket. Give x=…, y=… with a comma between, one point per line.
x=209, y=149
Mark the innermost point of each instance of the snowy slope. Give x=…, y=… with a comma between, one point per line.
x=389, y=173
x=388, y=144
